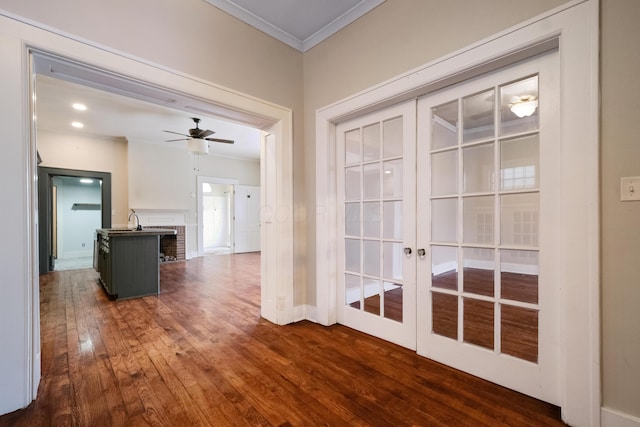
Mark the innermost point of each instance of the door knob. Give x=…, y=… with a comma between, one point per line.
x=407, y=251
x=421, y=252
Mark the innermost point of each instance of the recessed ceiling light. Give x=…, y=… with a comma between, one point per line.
x=79, y=107
x=77, y=125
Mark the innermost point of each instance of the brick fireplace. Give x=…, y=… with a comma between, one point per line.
x=172, y=248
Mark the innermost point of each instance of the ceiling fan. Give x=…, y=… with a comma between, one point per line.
x=197, y=138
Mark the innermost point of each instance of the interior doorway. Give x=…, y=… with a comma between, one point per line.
x=61, y=196
x=228, y=216
x=217, y=218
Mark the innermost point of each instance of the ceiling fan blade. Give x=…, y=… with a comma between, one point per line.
x=226, y=141
x=204, y=133
x=177, y=133
x=174, y=140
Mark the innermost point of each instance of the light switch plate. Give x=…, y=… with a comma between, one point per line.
x=630, y=188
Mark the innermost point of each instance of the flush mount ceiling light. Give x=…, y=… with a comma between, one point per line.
x=79, y=107
x=523, y=106
x=77, y=125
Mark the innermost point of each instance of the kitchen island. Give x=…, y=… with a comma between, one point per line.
x=128, y=260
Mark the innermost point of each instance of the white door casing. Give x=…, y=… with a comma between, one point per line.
x=18, y=41
x=200, y=180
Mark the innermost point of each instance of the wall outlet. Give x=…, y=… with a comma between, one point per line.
x=630, y=188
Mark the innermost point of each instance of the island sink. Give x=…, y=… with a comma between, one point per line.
x=128, y=260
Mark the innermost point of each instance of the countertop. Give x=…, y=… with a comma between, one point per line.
x=119, y=232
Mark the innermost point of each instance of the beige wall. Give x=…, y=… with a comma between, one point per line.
x=620, y=156
x=69, y=151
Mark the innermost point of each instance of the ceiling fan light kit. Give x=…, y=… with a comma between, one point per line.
x=524, y=106
x=198, y=146
x=198, y=139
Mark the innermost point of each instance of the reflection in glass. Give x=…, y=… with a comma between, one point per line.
x=352, y=290
x=352, y=219
x=444, y=309
x=372, y=181
x=371, y=296
x=393, y=301
x=392, y=217
x=371, y=254
x=519, y=332
x=392, y=134
x=519, y=93
x=444, y=126
x=352, y=147
x=519, y=219
x=444, y=173
x=478, y=322
x=352, y=255
x=352, y=183
x=371, y=219
x=444, y=267
x=444, y=220
x=478, y=169
x=392, y=259
x=477, y=276
x=519, y=163
x=519, y=275
x=477, y=116
x=477, y=221
x=392, y=178
x=371, y=142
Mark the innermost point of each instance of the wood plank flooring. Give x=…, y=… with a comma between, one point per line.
x=199, y=354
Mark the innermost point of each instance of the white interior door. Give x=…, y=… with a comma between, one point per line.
x=376, y=187
x=246, y=218
x=489, y=186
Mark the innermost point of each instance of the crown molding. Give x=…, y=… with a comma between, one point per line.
x=325, y=32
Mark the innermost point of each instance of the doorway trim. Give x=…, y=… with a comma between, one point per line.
x=19, y=40
x=45, y=175
x=573, y=29
x=111, y=71
x=200, y=206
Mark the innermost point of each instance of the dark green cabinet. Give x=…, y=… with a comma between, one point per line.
x=129, y=265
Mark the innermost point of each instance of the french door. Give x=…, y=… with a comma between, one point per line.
x=376, y=184
x=488, y=204
x=466, y=237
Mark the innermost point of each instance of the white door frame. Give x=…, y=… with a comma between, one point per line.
x=18, y=40
x=210, y=180
x=572, y=28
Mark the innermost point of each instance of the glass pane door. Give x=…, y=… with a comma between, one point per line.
x=377, y=187
x=479, y=158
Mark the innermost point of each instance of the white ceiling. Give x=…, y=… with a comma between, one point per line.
x=301, y=24
x=111, y=115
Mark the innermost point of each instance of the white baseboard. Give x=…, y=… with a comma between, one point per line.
x=78, y=254
x=304, y=312
x=612, y=418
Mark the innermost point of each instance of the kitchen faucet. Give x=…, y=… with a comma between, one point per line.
x=133, y=213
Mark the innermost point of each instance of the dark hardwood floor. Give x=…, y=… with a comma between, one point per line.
x=199, y=354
